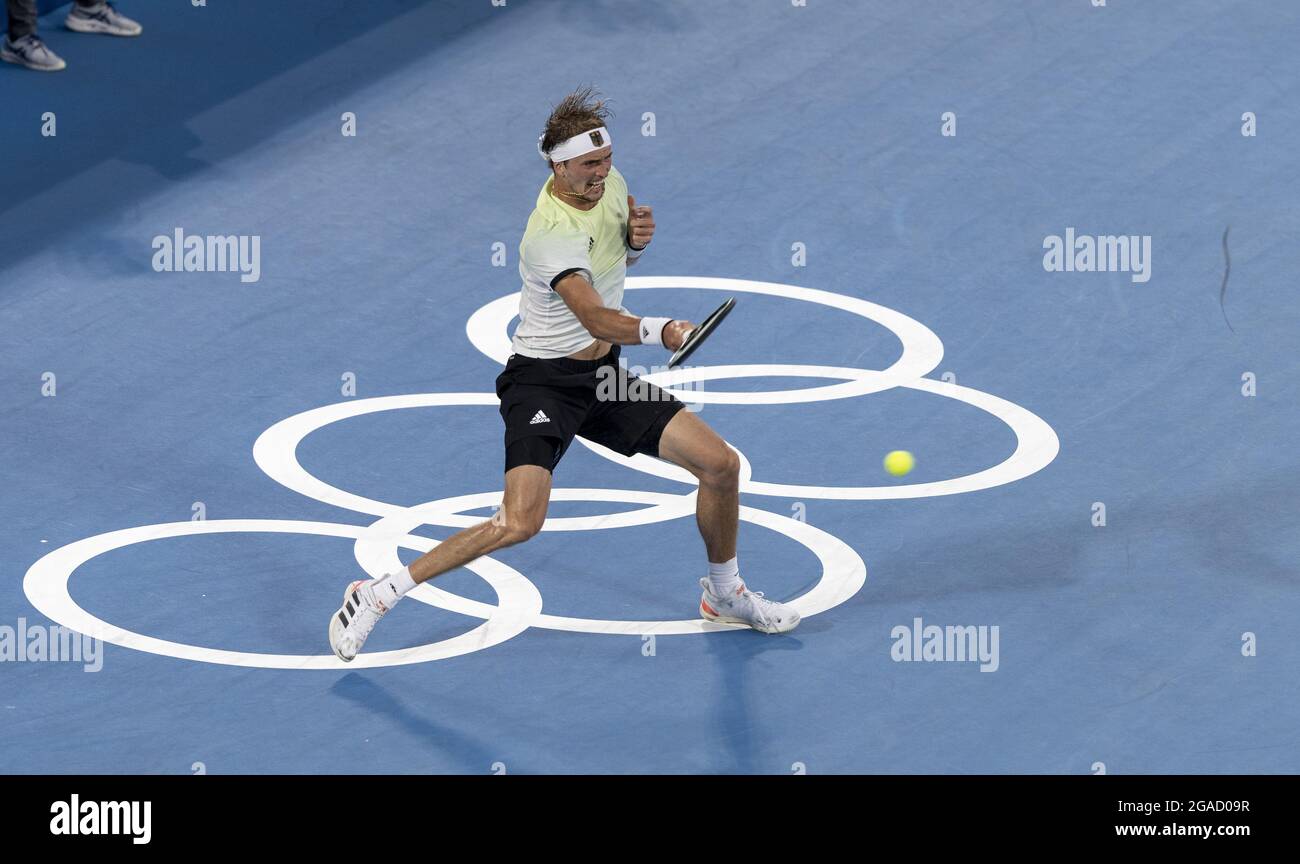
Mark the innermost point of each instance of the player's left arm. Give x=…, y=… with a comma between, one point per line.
x=640, y=227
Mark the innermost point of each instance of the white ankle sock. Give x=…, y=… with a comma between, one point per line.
x=392, y=587
x=724, y=578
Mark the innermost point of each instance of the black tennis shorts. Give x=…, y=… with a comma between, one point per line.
x=544, y=403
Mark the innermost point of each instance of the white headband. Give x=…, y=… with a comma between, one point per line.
x=583, y=142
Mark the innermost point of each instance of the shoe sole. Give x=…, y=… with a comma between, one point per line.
x=336, y=624
x=730, y=619
x=97, y=27
x=18, y=61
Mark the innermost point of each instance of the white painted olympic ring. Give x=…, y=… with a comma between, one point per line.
x=519, y=602
x=46, y=586
x=843, y=570
x=1036, y=442
x=488, y=331
x=276, y=453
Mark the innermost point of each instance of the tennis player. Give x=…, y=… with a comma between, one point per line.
x=583, y=234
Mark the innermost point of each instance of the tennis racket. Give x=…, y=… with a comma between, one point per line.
x=696, y=337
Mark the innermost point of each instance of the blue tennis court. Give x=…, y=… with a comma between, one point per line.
x=1047, y=248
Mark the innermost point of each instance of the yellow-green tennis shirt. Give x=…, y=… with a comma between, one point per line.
x=561, y=239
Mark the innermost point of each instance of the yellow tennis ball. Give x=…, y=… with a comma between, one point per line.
x=899, y=462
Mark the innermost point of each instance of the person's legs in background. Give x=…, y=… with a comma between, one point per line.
x=22, y=18
x=22, y=45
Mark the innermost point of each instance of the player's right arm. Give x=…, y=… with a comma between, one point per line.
x=611, y=325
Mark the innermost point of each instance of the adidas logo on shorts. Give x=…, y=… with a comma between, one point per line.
x=539, y=417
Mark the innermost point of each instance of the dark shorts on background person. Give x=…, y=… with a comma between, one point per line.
x=544, y=403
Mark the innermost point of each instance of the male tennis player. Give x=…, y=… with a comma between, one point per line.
x=584, y=232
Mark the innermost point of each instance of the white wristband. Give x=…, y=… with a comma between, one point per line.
x=652, y=330
x=634, y=254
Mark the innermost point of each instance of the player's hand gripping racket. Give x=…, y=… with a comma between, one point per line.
x=696, y=337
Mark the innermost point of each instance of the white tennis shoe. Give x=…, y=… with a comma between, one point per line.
x=747, y=607
x=358, y=615
x=31, y=52
x=101, y=18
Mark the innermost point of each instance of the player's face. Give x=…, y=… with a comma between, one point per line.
x=585, y=175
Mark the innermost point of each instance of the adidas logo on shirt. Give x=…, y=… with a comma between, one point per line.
x=539, y=417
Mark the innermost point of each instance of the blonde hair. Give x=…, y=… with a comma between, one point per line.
x=580, y=111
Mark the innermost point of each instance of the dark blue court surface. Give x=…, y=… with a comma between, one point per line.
x=1105, y=487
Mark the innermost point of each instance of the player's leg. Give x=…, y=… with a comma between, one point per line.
x=637, y=417
x=689, y=442
x=655, y=423
x=523, y=510
x=631, y=415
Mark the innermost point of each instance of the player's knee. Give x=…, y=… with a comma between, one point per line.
x=516, y=527
x=528, y=528
x=722, y=467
